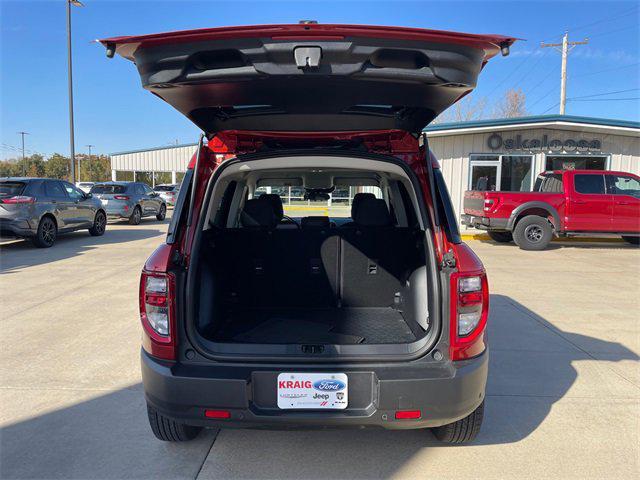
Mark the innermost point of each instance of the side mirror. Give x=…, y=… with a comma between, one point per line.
x=88, y=195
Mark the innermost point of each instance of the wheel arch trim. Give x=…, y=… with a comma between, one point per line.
x=518, y=211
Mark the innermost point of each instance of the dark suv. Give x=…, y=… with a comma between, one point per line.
x=40, y=208
x=313, y=274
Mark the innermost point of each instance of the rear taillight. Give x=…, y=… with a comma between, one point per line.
x=121, y=197
x=157, y=314
x=469, y=312
x=489, y=203
x=19, y=199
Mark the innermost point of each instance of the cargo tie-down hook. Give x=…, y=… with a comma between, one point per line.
x=307, y=57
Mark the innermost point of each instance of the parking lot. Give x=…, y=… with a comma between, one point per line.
x=563, y=399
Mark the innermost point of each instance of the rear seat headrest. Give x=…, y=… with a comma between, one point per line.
x=258, y=213
x=357, y=200
x=372, y=212
x=276, y=203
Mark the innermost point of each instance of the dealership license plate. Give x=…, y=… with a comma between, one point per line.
x=313, y=391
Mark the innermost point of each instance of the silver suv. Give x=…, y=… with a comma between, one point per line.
x=40, y=208
x=130, y=200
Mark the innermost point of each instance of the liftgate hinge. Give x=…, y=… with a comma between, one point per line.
x=448, y=260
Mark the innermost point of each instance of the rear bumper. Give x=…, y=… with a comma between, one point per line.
x=15, y=228
x=484, y=223
x=443, y=393
x=118, y=212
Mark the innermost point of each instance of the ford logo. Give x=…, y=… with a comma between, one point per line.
x=329, y=385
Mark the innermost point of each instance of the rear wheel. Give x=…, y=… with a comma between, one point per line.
x=631, y=240
x=162, y=213
x=533, y=233
x=168, y=430
x=136, y=216
x=46, y=234
x=501, y=237
x=462, y=431
x=99, y=225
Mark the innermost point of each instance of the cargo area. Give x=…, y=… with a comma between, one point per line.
x=354, y=272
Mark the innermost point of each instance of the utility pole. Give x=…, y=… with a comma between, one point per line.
x=565, y=47
x=72, y=146
x=89, y=147
x=22, y=134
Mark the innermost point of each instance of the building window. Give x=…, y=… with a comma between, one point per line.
x=569, y=162
x=507, y=173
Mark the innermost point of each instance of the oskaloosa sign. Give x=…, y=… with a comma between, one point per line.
x=495, y=142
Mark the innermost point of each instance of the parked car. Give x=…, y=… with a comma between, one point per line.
x=129, y=200
x=85, y=186
x=168, y=193
x=563, y=203
x=42, y=208
x=377, y=323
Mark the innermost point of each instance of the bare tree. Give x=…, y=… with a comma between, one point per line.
x=512, y=105
x=463, y=110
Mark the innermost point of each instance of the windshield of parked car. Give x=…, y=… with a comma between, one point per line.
x=108, y=189
x=165, y=188
x=11, y=189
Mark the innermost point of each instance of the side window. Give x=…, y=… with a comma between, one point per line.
x=147, y=189
x=139, y=189
x=623, y=185
x=73, y=192
x=54, y=189
x=589, y=184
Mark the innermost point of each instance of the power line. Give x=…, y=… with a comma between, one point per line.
x=606, y=93
x=605, y=70
x=600, y=99
x=602, y=34
x=604, y=20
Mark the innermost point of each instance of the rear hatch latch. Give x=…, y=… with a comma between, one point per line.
x=307, y=57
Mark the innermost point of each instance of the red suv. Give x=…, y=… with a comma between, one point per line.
x=313, y=274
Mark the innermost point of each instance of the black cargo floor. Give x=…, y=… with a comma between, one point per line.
x=316, y=326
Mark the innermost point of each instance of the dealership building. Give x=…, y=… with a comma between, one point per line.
x=504, y=154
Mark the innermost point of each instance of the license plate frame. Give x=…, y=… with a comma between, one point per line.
x=312, y=391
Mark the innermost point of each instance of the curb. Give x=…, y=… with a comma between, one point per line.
x=484, y=236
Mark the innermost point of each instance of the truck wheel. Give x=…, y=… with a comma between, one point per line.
x=533, y=233
x=136, y=216
x=631, y=240
x=169, y=430
x=462, y=431
x=46, y=234
x=500, y=237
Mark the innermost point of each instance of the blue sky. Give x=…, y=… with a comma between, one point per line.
x=114, y=113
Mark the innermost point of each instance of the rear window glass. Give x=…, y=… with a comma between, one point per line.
x=164, y=188
x=302, y=202
x=11, y=189
x=108, y=189
x=551, y=183
x=589, y=183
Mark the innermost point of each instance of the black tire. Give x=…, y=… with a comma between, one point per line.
x=500, y=237
x=162, y=213
x=46, y=234
x=99, y=225
x=462, y=431
x=136, y=216
x=168, y=430
x=533, y=233
x=631, y=240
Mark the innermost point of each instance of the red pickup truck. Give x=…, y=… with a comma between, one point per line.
x=563, y=203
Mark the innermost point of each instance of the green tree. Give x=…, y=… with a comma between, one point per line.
x=57, y=166
x=10, y=168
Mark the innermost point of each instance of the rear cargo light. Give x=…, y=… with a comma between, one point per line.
x=408, y=414
x=121, y=197
x=469, y=312
x=157, y=314
x=19, y=199
x=219, y=414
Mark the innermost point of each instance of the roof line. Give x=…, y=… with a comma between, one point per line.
x=167, y=147
x=604, y=122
